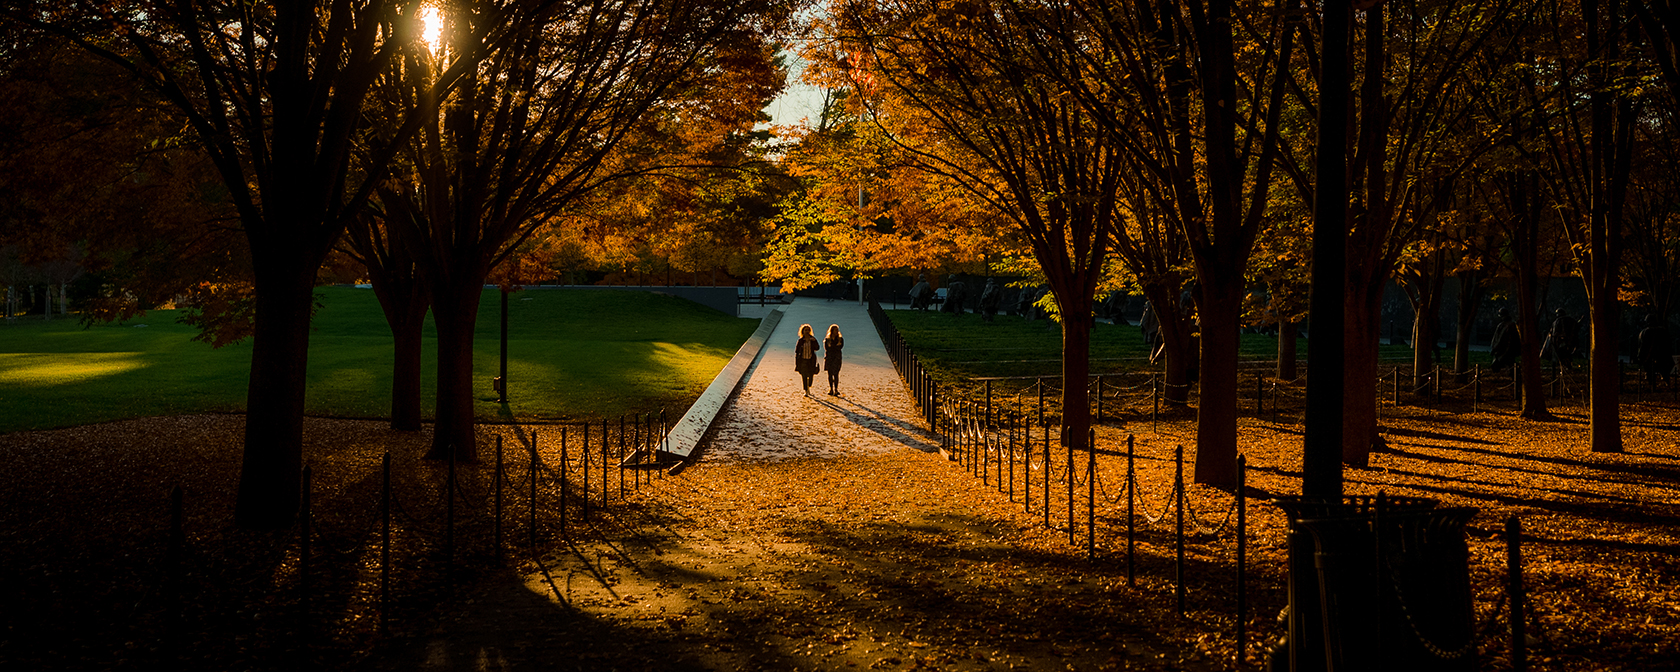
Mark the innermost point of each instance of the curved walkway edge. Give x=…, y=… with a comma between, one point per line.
x=685, y=436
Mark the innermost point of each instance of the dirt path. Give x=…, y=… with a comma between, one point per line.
x=815, y=533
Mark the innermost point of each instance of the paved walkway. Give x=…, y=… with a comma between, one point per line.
x=772, y=419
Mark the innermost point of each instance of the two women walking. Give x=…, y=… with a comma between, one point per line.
x=805, y=356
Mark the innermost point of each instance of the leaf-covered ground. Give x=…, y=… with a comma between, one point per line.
x=857, y=561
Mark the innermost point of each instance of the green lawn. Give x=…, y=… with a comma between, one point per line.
x=959, y=348
x=571, y=354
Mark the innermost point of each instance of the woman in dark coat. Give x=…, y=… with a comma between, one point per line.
x=831, y=357
x=805, y=356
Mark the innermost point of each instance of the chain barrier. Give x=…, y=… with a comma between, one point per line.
x=1102, y=487
x=419, y=526
x=1144, y=504
x=1202, y=527
x=1428, y=644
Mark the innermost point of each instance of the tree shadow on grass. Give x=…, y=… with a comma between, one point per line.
x=1659, y=472
x=1438, y=436
x=1645, y=472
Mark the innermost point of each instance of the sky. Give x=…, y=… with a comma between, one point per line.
x=798, y=101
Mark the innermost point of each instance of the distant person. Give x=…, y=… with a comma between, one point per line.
x=920, y=293
x=954, y=296
x=805, y=356
x=1656, y=349
x=989, y=298
x=1562, y=343
x=1506, y=346
x=831, y=357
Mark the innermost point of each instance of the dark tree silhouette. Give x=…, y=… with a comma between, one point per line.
x=274, y=93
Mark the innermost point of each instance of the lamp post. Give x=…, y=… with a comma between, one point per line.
x=502, y=381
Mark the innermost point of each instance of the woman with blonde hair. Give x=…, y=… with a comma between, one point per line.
x=805, y=356
x=831, y=358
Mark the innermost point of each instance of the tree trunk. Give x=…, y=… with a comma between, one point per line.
x=404, y=302
x=269, y=474
x=1426, y=334
x=1469, y=304
x=1528, y=326
x=1179, y=345
x=1359, y=401
x=405, y=372
x=1216, y=416
x=455, y=311
x=1604, y=388
x=1367, y=267
x=1523, y=190
x=1076, y=370
x=1286, y=369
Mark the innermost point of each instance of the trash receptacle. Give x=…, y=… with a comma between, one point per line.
x=1378, y=584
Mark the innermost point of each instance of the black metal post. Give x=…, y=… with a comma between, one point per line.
x=606, y=446
x=1513, y=572
x=177, y=551
x=1026, y=464
x=565, y=485
x=933, y=405
x=585, y=460
x=1045, y=427
x=1000, y=458
x=1242, y=557
x=1131, y=499
x=504, y=378
x=498, y=480
x=1014, y=424
x=449, y=518
x=1259, y=396
x=1067, y=442
x=620, y=457
x=385, y=546
x=303, y=550
x=984, y=439
x=533, y=500
x=1178, y=505
x=1091, y=496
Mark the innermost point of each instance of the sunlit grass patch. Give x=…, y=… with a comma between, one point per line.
x=54, y=368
